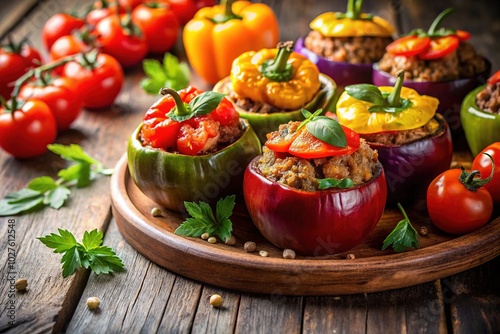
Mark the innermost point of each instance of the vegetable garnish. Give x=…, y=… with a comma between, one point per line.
x=202, y=219
x=382, y=102
x=202, y=104
x=403, y=236
x=334, y=183
x=324, y=128
x=88, y=254
x=171, y=73
x=45, y=191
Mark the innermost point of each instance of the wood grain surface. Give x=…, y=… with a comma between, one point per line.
x=147, y=298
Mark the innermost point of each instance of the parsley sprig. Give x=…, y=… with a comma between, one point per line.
x=88, y=254
x=170, y=73
x=46, y=191
x=403, y=236
x=203, y=220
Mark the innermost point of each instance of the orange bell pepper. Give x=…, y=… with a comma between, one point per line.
x=217, y=35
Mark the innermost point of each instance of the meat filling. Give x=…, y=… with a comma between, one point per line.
x=489, y=98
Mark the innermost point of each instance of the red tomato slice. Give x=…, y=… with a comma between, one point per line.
x=195, y=135
x=280, y=141
x=440, y=47
x=494, y=78
x=463, y=35
x=161, y=132
x=408, y=46
x=225, y=113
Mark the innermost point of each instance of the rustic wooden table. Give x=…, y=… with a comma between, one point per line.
x=147, y=298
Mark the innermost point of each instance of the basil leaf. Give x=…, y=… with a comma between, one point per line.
x=334, y=183
x=72, y=152
x=306, y=113
x=58, y=196
x=42, y=184
x=327, y=130
x=205, y=103
x=366, y=92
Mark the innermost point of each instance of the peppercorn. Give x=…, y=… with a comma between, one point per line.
x=230, y=241
x=21, y=284
x=423, y=230
x=93, y=303
x=216, y=300
x=263, y=253
x=156, y=212
x=212, y=240
x=249, y=246
x=288, y=254
x=350, y=256
x=205, y=236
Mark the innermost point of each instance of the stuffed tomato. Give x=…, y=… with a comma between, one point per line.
x=315, y=196
x=191, y=146
x=344, y=46
x=269, y=87
x=439, y=62
x=413, y=142
x=480, y=115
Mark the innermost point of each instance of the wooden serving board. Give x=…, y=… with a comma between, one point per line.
x=439, y=255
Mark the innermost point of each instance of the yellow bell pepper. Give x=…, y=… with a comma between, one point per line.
x=370, y=109
x=217, y=35
x=279, y=77
x=353, y=23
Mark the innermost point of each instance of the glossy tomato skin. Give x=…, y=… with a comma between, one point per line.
x=483, y=164
x=66, y=46
x=61, y=96
x=27, y=132
x=185, y=9
x=99, y=86
x=159, y=26
x=314, y=223
x=453, y=208
x=58, y=25
x=128, y=49
x=14, y=65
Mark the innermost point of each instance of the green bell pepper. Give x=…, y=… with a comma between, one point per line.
x=481, y=127
x=169, y=179
x=266, y=123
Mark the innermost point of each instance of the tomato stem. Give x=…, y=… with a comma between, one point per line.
x=472, y=180
x=394, y=99
x=278, y=69
x=437, y=21
x=180, y=106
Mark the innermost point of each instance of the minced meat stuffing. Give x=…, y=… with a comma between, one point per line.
x=354, y=50
x=251, y=105
x=407, y=136
x=489, y=98
x=303, y=174
x=464, y=62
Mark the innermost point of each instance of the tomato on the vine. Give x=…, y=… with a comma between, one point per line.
x=457, y=202
x=483, y=164
x=185, y=9
x=68, y=45
x=100, y=79
x=122, y=39
x=61, y=96
x=158, y=24
x=26, y=131
x=100, y=10
x=58, y=25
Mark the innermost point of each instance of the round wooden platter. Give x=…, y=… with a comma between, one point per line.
x=439, y=255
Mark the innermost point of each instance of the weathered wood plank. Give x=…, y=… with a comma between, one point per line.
x=12, y=12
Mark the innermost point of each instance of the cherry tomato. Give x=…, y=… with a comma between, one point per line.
x=455, y=209
x=482, y=163
x=494, y=78
x=26, y=132
x=14, y=64
x=440, y=47
x=59, y=25
x=99, y=83
x=101, y=10
x=67, y=45
x=185, y=9
x=195, y=134
x=306, y=146
x=158, y=24
x=408, y=46
x=60, y=95
x=463, y=35
x=128, y=48
x=128, y=5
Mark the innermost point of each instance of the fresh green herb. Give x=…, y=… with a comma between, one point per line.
x=403, y=236
x=45, y=191
x=171, y=73
x=202, y=104
x=88, y=254
x=382, y=102
x=324, y=128
x=202, y=219
x=334, y=183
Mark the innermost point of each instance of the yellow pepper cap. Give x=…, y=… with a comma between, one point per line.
x=354, y=113
x=329, y=25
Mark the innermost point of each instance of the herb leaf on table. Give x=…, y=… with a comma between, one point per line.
x=88, y=254
x=202, y=219
x=171, y=73
x=403, y=236
x=45, y=191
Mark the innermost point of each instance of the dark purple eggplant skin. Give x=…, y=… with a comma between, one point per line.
x=314, y=223
x=342, y=73
x=410, y=168
x=449, y=93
